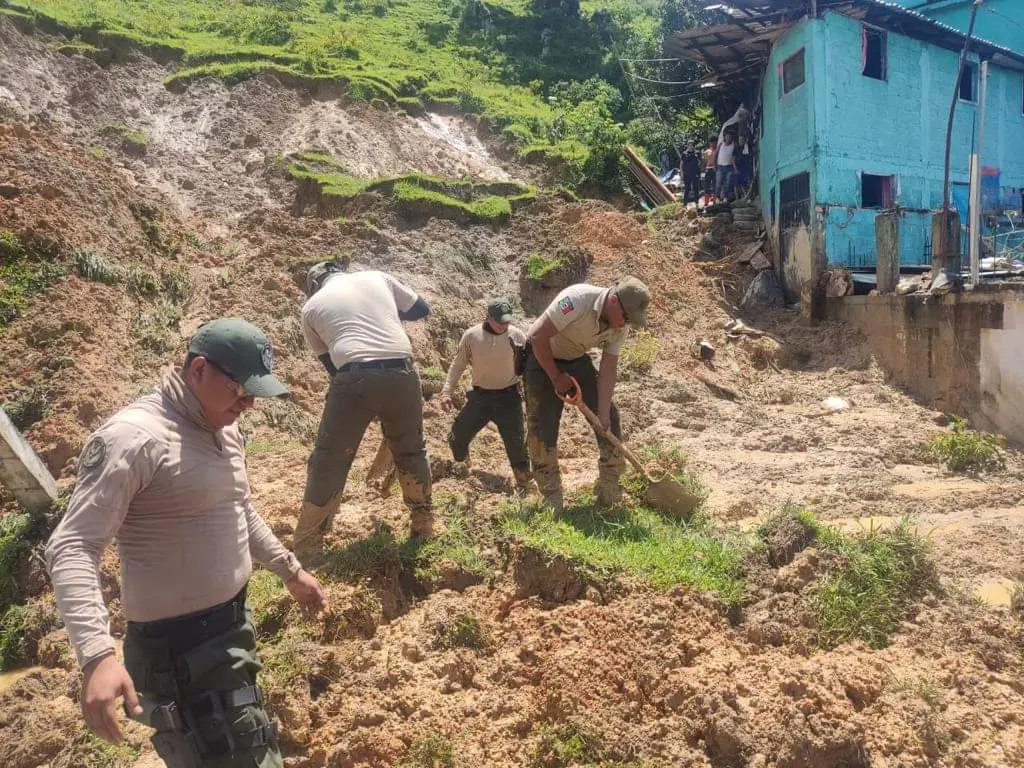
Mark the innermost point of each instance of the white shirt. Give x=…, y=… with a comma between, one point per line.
x=725, y=153
x=354, y=317
x=491, y=356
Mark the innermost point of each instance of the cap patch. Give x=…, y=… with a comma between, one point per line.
x=565, y=306
x=267, y=356
x=93, y=455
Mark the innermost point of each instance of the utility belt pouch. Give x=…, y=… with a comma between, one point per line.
x=519, y=354
x=178, y=749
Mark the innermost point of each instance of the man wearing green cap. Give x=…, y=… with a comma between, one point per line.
x=353, y=323
x=489, y=348
x=581, y=318
x=166, y=478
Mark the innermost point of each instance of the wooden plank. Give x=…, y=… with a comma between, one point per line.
x=22, y=472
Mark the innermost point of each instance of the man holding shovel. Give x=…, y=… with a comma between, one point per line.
x=581, y=318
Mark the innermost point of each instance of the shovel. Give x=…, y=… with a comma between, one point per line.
x=666, y=495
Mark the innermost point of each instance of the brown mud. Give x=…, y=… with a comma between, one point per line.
x=663, y=678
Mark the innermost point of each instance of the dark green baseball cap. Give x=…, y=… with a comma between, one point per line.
x=500, y=310
x=242, y=351
x=634, y=298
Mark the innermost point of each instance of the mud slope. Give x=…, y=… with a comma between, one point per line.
x=556, y=665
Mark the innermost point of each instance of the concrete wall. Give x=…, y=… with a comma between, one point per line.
x=999, y=21
x=960, y=353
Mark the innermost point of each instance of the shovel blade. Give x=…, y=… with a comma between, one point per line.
x=672, y=498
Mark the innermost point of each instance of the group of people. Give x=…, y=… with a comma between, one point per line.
x=166, y=477
x=720, y=173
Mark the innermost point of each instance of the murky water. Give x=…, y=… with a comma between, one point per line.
x=7, y=679
x=998, y=592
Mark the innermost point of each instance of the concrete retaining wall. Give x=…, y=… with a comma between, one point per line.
x=961, y=353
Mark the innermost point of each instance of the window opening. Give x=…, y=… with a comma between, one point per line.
x=793, y=71
x=873, y=53
x=876, y=191
x=969, y=82
x=795, y=201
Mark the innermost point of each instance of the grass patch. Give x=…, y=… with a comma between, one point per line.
x=566, y=745
x=430, y=751
x=639, y=355
x=964, y=450
x=538, y=266
x=132, y=141
x=638, y=542
x=13, y=648
x=26, y=268
x=16, y=531
x=878, y=576
x=465, y=631
x=28, y=406
x=89, y=751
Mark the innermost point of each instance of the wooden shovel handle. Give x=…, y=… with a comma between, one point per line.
x=577, y=399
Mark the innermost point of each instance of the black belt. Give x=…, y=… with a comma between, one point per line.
x=482, y=390
x=392, y=362
x=186, y=632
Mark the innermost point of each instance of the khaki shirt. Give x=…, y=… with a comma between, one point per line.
x=576, y=314
x=491, y=356
x=355, y=318
x=175, y=495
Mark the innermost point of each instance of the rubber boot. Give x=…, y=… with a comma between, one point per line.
x=608, y=492
x=423, y=524
x=460, y=469
x=525, y=484
x=556, y=502
x=308, y=540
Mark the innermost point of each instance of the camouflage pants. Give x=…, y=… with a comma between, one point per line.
x=197, y=669
x=354, y=399
x=544, y=417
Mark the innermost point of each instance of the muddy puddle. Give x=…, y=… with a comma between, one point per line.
x=7, y=679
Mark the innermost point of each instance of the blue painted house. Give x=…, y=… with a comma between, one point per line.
x=850, y=101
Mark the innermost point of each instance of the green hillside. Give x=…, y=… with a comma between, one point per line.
x=544, y=74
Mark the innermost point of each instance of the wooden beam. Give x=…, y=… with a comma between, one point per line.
x=22, y=472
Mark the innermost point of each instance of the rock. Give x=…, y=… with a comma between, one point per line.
x=188, y=184
x=9, y=191
x=765, y=292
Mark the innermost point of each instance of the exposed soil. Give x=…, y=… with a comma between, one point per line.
x=670, y=676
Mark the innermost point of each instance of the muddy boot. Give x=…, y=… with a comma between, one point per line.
x=525, y=484
x=460, y=469
x=556, y=502
x=308, y=541
x=423, y=524
x=608, y=492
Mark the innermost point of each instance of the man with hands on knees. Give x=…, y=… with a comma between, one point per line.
x=166, y=477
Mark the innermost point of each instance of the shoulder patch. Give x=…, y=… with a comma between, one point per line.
x=93, y=455
x=565, y=306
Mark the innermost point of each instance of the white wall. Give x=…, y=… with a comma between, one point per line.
x=1002, y=373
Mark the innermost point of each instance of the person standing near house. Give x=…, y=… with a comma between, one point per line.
x=353, y=323
x=166, y=478
x=581, y=318
x=710, y=169
x=490, y=348
x=689, y=168
x=726, y=170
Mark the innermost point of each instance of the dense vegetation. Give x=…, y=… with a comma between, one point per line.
x=557, y=78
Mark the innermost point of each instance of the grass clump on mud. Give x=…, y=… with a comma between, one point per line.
x=429, y=751
x=539, y=266
x=132, y=141
x=635, y=541
x=964, y=450
x=869, y=581
x=880, y=574
x=463, y=631
x=638, y=356
x=27, y=266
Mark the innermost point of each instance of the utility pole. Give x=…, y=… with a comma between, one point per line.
x=975, y=213
x=946, y=224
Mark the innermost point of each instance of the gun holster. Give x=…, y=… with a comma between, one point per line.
x=520, y=352
x=174, y=741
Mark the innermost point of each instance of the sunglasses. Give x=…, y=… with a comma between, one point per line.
x=239, y=390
